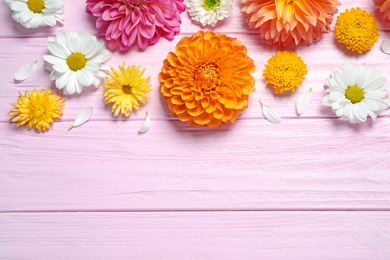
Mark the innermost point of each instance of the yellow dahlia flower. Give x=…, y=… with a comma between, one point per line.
x=37, y=109
x=281, y=22
x=357, y=29
x=126, y=89
x=285, y=70
x=207, y=80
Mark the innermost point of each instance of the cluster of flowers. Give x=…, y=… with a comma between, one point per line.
x=207, y=80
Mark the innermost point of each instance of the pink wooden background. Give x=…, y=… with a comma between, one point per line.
x=312, y=187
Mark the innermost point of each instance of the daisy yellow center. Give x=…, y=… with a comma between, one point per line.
x=126, y=89
x=354, y=94
x=76, y=61
x=210, y=4
x=36, y=6
x=357, y=29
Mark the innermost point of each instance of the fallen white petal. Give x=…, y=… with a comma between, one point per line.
x=270, y=114
x=82, y=117
x=303, y=101
x=26, y=71
x=385, y=46
x=146, y=126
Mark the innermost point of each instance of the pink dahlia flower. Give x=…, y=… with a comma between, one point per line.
x=127, y=22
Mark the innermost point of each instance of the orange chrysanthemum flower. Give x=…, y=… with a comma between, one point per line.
x=281, y=22
x=357, y=29
x=208, y=79
x=384, y=7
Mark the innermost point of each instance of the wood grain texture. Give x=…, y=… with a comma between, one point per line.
x=196, y=235
x=102, y=191
x=251, y=164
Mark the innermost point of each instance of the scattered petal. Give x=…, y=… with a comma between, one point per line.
x=146, y=126
x=25, y=72
x=385, y=46
x=270, y=114
x=303, y=101
x=82, y=117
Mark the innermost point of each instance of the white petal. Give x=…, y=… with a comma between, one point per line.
x=303, y=101
x=26, y=71
x=146, y=126
x=82, y=117
x=270, y=114
x=385, y=46
x=361, y=76
x=349, y=73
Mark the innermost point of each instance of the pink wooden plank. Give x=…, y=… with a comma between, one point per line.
x=196, y=235
x=299, y=164
x=319, y=63
x=76, y=19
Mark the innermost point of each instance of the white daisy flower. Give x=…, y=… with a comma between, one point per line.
x=36, y=13
x=209, y=12
x=355, y=93
x=75, y=60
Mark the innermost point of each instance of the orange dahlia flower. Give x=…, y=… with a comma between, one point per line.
x=207, y=80
x=281, y=22
x=384, y=7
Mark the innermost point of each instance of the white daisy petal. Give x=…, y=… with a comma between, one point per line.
x=61, y=67
x=58, y=50
x=146, y=125
x=338, y=76
x=385, y=46
x=303, y=101
x=74, y=42
x=76, y=60
x=361, y=75
x=270, y=114
x=25, y=72
x=366, y=96
x=200, y=14
x=85, y=77
x=83, y=116
x=30, y=18
x=63, y=80
x=349, y=74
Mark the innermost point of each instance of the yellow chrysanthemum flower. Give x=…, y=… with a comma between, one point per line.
x=125, y=88
x=37, y=109
x=285, y=70
x=357, y=29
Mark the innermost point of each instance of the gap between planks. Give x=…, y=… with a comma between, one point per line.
x=195, y=210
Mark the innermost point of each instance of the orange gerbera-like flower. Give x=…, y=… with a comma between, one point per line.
x=281, y=22
x=207, y=80
x=384, y=7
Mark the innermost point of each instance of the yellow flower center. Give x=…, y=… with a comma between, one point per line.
x=36, y=6
x=210, y=4
x=357, y=29
x=354, y=94
x=206, y=76
x=76, y=61
x=38, y=110
x=126, y=89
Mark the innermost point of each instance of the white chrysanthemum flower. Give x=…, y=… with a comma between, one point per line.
x=36, y=13
x=75, y=60
x=355, y=93
x=209, y=12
